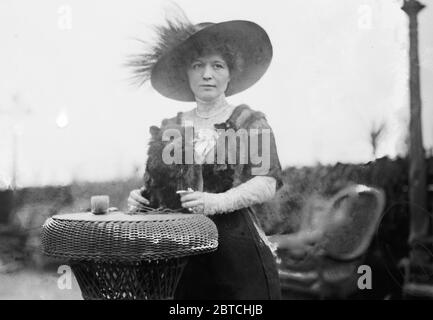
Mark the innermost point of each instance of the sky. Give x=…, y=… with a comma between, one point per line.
x=69, y=109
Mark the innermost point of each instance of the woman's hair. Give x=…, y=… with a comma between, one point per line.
x=202, y=48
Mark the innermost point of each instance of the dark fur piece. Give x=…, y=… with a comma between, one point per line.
x=162, y=180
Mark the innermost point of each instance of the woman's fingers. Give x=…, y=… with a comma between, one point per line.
x=136, y=196
x=135, y=204
x=191, y=196
x=192, y=204
x=192, y=200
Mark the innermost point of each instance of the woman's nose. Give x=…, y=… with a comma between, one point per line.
x=207, y=72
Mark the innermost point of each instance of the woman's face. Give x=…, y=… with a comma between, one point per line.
x=208, y=77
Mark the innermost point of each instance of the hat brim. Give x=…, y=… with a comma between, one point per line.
x=245, y=37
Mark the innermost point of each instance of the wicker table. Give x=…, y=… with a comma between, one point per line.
x=126, y=256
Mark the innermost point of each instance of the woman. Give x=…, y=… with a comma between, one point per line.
x=206, y=63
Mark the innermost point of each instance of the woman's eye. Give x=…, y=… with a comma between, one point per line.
x=196, y=65
x=219, y=66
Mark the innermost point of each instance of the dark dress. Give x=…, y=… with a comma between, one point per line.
x=243, y=266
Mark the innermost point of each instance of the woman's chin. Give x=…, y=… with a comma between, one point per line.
x=206, y=98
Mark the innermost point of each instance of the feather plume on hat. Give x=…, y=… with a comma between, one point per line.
x=178, y=28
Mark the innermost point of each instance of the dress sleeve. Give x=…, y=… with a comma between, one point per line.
x=262, y=156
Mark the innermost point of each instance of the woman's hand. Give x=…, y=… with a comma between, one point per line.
x=136, y=201
x=200, y=202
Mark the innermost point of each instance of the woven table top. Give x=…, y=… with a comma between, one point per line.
x=128, y=237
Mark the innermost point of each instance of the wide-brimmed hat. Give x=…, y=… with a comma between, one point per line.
x=164, y=62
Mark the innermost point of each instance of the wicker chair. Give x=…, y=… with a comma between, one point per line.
x=347, y=227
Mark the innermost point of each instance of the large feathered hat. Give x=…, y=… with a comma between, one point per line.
x=164, y=62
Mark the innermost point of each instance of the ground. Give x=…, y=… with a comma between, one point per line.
x=28, y=284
